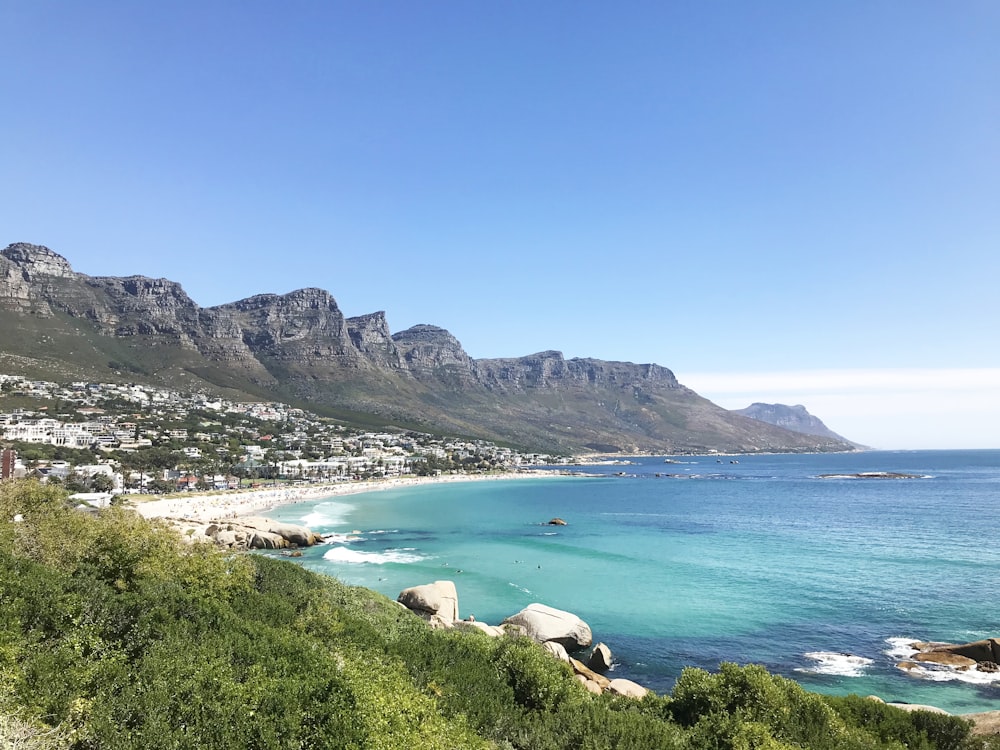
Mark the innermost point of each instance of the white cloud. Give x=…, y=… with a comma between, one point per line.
x=894, y=408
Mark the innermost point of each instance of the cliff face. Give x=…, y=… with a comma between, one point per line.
x=300, y=346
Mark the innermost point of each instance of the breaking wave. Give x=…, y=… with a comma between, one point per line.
x=345, y=555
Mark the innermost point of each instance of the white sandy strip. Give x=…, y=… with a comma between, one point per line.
x=250, y=502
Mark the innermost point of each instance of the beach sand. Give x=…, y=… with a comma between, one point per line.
x=234, y=503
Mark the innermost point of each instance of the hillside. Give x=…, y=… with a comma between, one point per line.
x=300, y=348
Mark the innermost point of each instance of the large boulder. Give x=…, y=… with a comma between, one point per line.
x=549, y=624
x=600, y=658
x=439, y=598
x=627, y=688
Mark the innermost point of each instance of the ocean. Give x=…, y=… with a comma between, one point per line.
x=746, y=559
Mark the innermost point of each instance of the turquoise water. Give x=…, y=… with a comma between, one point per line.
x=757, y=561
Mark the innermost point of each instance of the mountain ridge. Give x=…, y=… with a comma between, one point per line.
x=795, y=418
x=301, y=348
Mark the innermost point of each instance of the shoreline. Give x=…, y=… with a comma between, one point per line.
x=237, y=503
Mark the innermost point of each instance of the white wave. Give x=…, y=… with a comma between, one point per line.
x=345, y=555
x=519, y=588
x=342, y=538
x=833, y=663
x=900, y=648
x=549, y=533
x=326, y=514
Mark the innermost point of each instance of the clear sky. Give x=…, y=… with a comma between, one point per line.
x=779, y=200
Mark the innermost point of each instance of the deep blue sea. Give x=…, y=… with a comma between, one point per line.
x=744, y=559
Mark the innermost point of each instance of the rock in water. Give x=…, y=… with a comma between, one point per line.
x=600, y=658
x=549, y=624
x=439, y=598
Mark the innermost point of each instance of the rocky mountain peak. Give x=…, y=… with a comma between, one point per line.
x=37, y=260
x=425, y=334
x=426, y=348
x=795, y=418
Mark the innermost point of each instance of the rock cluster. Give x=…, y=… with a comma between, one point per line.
x=250, y=532
x=981, y=656
x=558, y=632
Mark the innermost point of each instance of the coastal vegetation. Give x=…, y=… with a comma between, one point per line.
x=116, y=633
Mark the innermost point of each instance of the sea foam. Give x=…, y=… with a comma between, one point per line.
x=833, y=663
x=326, y=514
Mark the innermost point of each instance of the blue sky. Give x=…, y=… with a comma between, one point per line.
x=742, y=192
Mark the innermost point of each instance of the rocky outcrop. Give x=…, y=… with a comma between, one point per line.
x=370, y=336
x=986, y=650
x=545, y=623
x=298, y=536
x=241, y=534
x=432, y=355
x=981, y=656
x=438, y=599
x=37, y=261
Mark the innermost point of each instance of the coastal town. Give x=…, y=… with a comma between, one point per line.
x=110, y=439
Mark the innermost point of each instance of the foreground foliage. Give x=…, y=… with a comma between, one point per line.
x=115, y=634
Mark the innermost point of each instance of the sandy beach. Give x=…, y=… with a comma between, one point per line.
x=234, y=503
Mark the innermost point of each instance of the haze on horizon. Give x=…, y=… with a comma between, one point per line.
x=779, y=201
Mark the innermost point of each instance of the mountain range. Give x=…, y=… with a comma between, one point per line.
x=300, y=348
